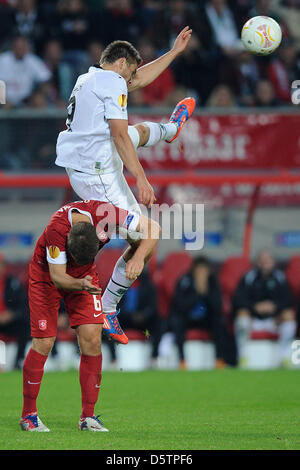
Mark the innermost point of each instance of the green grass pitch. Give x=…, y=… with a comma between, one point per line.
x=226, y=409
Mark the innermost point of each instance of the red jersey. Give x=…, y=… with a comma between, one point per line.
x=52, y=244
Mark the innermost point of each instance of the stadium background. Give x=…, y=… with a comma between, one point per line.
x=239, y=154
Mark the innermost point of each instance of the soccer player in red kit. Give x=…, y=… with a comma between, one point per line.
x=62, y=267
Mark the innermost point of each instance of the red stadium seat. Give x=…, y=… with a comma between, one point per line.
x=293, y=274
x=195, y=334
x=231, y=272
x=174, y=266
x=105, y=263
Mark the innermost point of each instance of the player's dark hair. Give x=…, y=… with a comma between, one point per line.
x=119, y=49
x=83, y=243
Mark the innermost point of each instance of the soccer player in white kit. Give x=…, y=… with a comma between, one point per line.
x=98, y=142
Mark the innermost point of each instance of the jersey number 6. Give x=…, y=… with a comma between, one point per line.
x=97, y=304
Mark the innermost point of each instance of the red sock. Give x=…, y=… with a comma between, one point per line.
x=33, y=370
x=90, y=380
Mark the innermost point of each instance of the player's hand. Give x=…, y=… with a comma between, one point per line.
x=146, y=194
x=89, y=287
x=133, y=269
x=182, y=40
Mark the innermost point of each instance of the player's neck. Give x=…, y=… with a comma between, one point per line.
x=113, y=67
x=77, y=217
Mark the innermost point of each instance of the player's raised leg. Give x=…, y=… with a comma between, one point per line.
x=128, y=267
x=90, y=374
x=147, y=133
x=33, y=371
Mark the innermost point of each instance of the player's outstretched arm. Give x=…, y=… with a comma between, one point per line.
x=64, y=281
x=126, y=150
x=149, y=72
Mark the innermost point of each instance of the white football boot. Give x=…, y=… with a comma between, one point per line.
x=92, y=423
x=32, y=423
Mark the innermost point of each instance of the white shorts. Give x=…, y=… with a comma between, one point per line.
x=110, y=187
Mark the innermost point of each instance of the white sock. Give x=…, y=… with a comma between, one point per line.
x=116, y=287
x=242, y=327
x=134, y=135
x=287, y=332
x=159, y=131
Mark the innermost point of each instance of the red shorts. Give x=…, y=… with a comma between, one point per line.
x=44, y=301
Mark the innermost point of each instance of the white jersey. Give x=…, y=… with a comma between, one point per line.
x=87, y=144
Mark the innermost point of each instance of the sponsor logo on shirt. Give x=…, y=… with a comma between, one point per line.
x=122, y=100
x=54, y=251
x=128, y=220
x=42, y=325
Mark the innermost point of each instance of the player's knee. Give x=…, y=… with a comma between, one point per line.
x=150, y=228
x=94, y=345
x=43, y=345
x=90, y=344
x=144, y=133
x=155, y=230
x=89, y=339
x=158, y=227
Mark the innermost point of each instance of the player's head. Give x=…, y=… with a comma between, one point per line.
x=123, y=56
x=83, y=243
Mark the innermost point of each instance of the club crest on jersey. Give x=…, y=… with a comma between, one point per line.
x=128, y=220
x=42, y=325
x=54, y=251
x=122, y=100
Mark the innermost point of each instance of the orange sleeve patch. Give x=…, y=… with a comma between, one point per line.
x=54, y=251
x=122, y=100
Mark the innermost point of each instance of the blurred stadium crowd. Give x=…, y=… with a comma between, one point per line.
x=45, y=44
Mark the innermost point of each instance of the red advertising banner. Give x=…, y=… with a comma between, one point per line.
x=237, y=141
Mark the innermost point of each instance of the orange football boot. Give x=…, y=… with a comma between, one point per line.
x=182, y=112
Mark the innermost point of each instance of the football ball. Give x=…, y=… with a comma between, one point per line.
x=261, y=35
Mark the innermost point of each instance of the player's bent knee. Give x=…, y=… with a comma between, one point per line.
x=43, y=345
x=155, y=225
x=91, y=346
x=89, y=339
x=149, y=228
x=144, y=133
x=134, y=135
